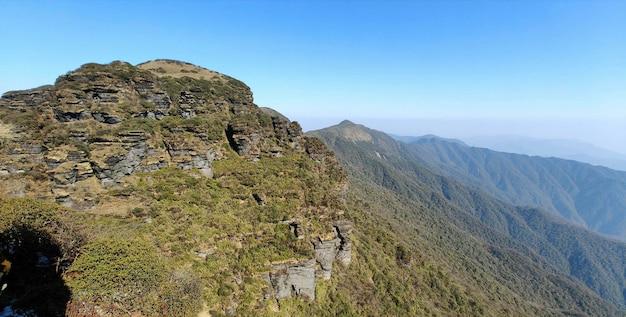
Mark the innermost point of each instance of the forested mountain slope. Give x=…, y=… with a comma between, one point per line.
x=536, y=259
x=592, y=196
x=162, y=190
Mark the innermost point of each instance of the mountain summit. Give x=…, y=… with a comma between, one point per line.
x=101, y=123
x=178, y=193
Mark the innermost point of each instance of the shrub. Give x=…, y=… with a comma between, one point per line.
x=181, y=294
x=402, y=255
x=116, y=270
x=43, y=217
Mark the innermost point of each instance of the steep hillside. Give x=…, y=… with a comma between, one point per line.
x=592, y=196
x=518, y=255
x=163, y=190
x=169, y=180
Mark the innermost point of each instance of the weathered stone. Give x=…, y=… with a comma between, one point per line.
x=296, y=229
x=149, y=90
x=77, y=156
x=325, y=253
x=68, y=116
x=344, y=232
x=260, y=198
x=115, y=166
x=105, y=118
x=80, y=136
x=244, y=138
x=85, y=130
x=294, y=280
x=27, y=98
x=315, y=148
x=64, y=174
x=103, y=93
x=83, y=171
x=28, y=148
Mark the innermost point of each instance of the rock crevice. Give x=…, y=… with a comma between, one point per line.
x=299, y=278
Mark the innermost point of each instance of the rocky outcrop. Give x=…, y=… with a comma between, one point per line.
x=337, y=249
x=344, y=250
x=86, y=142
x=296, y=279
x=299, y=278
x=107, y=122
x=27, y=98
x=244, y=137
x=325, y=253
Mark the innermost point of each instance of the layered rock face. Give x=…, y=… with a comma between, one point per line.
x=299, y=278
x=91, y=141
x=88, y=130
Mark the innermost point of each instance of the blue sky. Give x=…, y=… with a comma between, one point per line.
x=461, y=61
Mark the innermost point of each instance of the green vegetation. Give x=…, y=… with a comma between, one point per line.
x=117, y=271
x=122, y=70
x=375, y=284
x=212, y=90
x=517, y=258
x=30, y=230
x=203, y=230
x=592, y=196
x=44, y=218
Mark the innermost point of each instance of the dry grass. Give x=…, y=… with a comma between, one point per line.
x=356, y=134
x=178, y=69
x=6, y=131
x=115, y=206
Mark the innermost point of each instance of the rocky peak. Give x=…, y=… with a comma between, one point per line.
x=346, y=123
x=101, y=123
x=185, y=155
x=353, y=132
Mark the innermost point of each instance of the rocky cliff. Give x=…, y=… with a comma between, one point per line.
x=101, y=123
x=109, y=141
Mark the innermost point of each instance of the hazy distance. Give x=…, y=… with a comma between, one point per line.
x=601, y=137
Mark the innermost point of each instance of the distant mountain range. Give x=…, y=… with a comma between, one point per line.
x=454, y=201
x=559, y=148
x=567, y=149
x=592, y=196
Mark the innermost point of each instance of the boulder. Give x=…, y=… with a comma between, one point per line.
x=290, y=280
x=325, y=254
x=344, y=232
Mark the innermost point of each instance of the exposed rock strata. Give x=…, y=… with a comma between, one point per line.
x=107, y=122
x=296, y=279
x=299, y=279
x=81, y=141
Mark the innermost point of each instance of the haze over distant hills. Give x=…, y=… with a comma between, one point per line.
x=592, y=196
x=561, y=148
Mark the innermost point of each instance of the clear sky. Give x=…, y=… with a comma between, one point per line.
x=469, y=65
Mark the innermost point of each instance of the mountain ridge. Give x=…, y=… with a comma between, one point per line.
x=396, y=167
x=559, y=148
x=165, y=190
x=586, y=194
